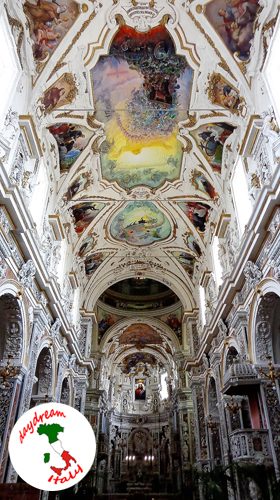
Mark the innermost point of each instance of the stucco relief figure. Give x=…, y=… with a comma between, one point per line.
x=254, y=490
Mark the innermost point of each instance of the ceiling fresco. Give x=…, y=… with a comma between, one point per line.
x=234, y=21
x=193, y=245
x=140, y=334
x=87, y=245
x=186, y=260
x=71, y=141
x=202, y=184
x=105, y=321
x=197, y=212
x=222, y=93
x=61, y=93
x=81, y=183
x=140, y=223
x=92, y=262
x=211, y=138
x=174, y=321
x=49, y=22
x=141, y=119
x=84, y=213
x=131, y=361
x=141, y=90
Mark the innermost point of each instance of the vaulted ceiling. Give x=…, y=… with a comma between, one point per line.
x=142, y=107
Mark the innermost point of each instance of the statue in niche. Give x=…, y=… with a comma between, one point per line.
x=254, y=490
x=164, y=451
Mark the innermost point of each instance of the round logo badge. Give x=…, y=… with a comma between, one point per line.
x=52, y=446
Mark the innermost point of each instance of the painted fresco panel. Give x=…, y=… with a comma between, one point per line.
x=81, y=183
x=174, y=321
x=71, y=141
x=131, y=361
x=192, y=244
x=140, y=223
x=93, y=261
x=197, y=212
x=87, y=245
x=141, y=90
x=202, y=184
x=84, y=213
x=186, y=260
x=105, y=321
x=234, y=21
x=211, y=139
x=222, y=93
x=49, y=22
x=61, y=93
x=139, y=335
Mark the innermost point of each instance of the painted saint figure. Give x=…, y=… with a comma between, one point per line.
x=140, y=391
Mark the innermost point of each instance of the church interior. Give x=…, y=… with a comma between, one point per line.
x=140, y=243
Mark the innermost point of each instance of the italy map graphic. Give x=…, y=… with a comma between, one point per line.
x=52, y=431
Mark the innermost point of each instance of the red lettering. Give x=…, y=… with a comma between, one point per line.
x=59, y=414
x=30, y=427
x=21, y=436
x=36, y=420
x=65, y=479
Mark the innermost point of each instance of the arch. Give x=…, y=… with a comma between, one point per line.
x=178, y=286
x=66, y=391
x=121, y=354
x=212, y=398
x=44, y=375
x=11, y=327
x=229, y=344
x=13, y=290
x=121, y=325
x=260, y=328
x=140, y=442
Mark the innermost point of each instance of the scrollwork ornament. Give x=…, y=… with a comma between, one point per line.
x=27, y=273
x=3, y=268
x=252, y=273
x=54, y=331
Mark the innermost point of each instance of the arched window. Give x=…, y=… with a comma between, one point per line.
x=202, y=304
x=218, y=271
x=272, y=71
x=163, y=385
x=37, y=204
x=267, y=338
x=243, y=206
x=65, y=392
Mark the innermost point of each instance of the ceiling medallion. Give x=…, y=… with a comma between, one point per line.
x=140, y=223
x=142, y=89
